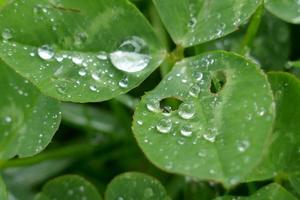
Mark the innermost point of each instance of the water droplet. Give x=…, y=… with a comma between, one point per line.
x=102, y=55
x=186, y=130
x=82, y=72
x=164, y=126
x=123, y=83
x=129, y=57
x=211, y=137
x=93, y=88
x=95, y=76
x=140, y=122
x=46, y=52
x=243, y=145
x=153, y=106
x=6, y=34
x=8, y=119
x=194, y=91
x=80, y=38
x=198, y=76
x=129, y=61
x=77, y=60
x=186, y=111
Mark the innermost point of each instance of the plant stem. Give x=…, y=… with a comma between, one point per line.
x=70, y=151
x=252, y=29
x=171, y=59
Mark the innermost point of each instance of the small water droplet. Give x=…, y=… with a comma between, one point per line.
x=243, y=145
x=211, y=137
x=198, y=76
x=123, y=83
x=6, y=34
x=82, y=72
x=164, y=126
x=140, y=122
x=102, y=55
x=148, y=193
x=186, y=111
x=93, y=88
x=194, y=91
x=8, y=119
x=186, y=130
x=95, y=76
x=46, y=52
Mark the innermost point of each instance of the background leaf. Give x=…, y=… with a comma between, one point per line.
x=272, y=191
x=3, y=193
x=283, y=158
x=135, y=186
x=217, y=135
x=28, y=119
x=69, y=187
x=79, y=50
x=288, y=10
x=192, y=22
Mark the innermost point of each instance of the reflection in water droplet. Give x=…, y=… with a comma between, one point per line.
x=164, y=126
x=46, y=52
x=124, y=82
x=186, y=130
x=186, y=111
x=6, y=34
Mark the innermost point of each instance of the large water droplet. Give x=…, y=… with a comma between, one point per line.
x=130, y=56
x=6, y=34
x=186, y=111
x=46, y=52
x=129, y=61
x=164, y=126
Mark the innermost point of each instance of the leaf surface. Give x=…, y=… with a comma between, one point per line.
x=287, y=10
x=69, y=187
x=192, y=22
x=80, y=51
x=135, y=186
x=272, y=191
x=283, y=158
x=212, y=135
x=28, y=119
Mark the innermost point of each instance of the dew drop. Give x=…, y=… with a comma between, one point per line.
x=8, y=119
x=211, y=137
x=95, y=76
x=46, y=52
x=123, y=83
x=102, y=55
x=186, y=130
x=129, y=57
x=242, y=146
x=82, y=72
x=186, y=111
x=164, y=126
x=148, y=193
x=93, y=88
x=77, y=60
x=6, y=34
x=153, y=106
x=194, y=91
x=198, y=76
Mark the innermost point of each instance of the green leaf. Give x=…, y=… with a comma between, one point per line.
x=288, y=10
x=220, y=129
x=28, y=119
x=283, y=158
x=272, y=192
x=69, y=187
x=135, y=186
x=270, y=47
x=68, y=49
x=192, y=22
x=3, y=193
